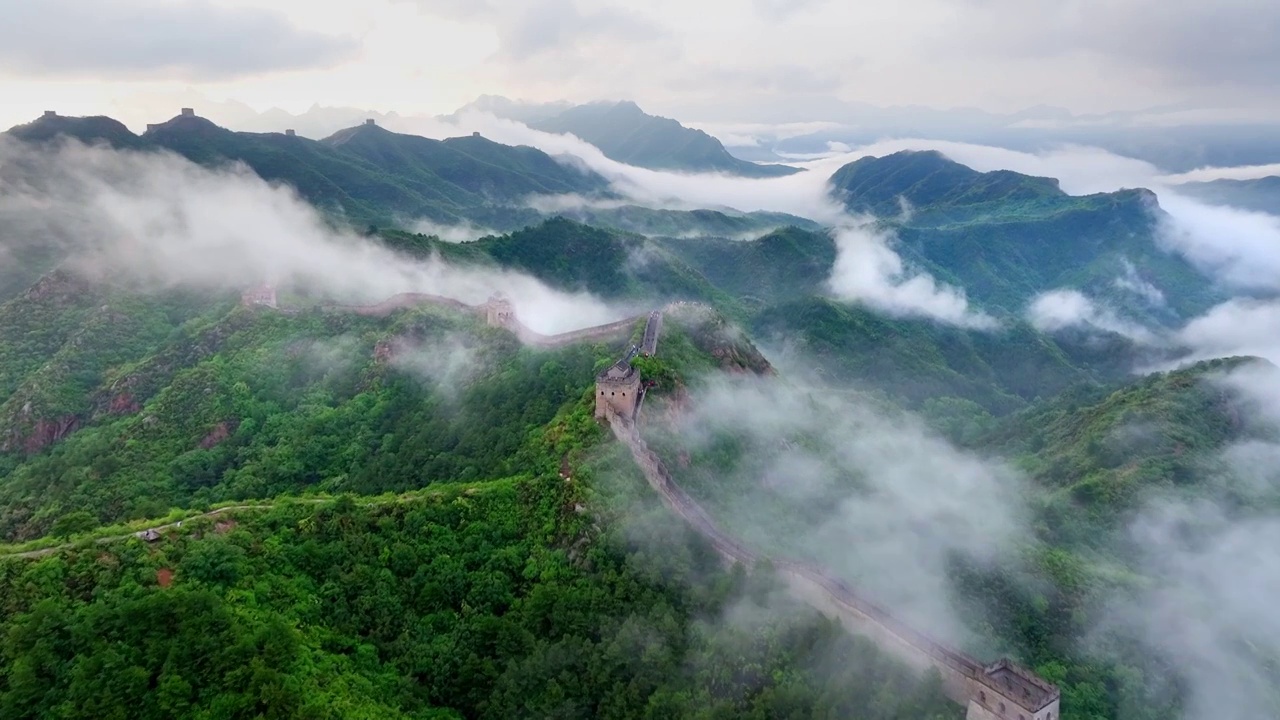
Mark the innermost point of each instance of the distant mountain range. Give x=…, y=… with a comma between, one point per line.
x=1260, y=195
x=370, y=175
x=1002, y=236
x=366, y=173
x=627, y=134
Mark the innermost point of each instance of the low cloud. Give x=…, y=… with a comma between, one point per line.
x=1208, y=174
x=1236, y=327
x=1133, y=282
x=852, y=476
x=868, y=270
x=1062, y=309
x=447, y=363
x=1240, y=247
x=1210, y=569
x=141, y=39
x=462, y=232
x=163, y=221
x=567, y=202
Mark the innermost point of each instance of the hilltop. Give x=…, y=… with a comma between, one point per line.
x=1006, y=237
x=627, y=134
x=89, y=130
x=1101, y=452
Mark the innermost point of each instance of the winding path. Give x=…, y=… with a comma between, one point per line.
x=125, y=536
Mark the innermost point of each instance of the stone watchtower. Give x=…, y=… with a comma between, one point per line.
x=1005, y=691
x=498, y=311
x=617, y=390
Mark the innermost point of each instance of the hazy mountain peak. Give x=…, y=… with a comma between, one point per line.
x=626, y=133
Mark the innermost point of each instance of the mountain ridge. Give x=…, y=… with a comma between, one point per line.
x=624, y=132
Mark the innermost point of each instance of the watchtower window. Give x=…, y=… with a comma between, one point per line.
x=1001, y=707
x=982, y=695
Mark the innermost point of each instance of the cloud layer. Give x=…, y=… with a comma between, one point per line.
x=115, y=39
x=864, y=479
x=161, y=220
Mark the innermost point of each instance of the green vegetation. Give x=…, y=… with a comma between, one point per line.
x=1006, y=237
x=576, y=257
x=363, y=175
x=919, y=360
x=1093, y=454
x=497, y=599
x=685, y=223
x=437, y=527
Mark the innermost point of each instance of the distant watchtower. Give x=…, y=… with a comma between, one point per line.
x=51, y=113
x=475, y=134
x=617, y=390
x=290, y=133
x=498, y=311
x=370, y=121
x=188, y=112
x=262, y=295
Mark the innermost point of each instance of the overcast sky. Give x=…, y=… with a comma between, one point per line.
x=708, y=60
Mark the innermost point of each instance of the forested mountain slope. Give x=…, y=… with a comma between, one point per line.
x=471, y=596
x=366, y=174
x=1005, y=237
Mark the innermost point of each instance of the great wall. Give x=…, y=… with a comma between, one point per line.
x=497, y=311
x=1001, y=690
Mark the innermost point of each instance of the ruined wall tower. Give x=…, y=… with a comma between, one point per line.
x=262, y=295
x=499, y=312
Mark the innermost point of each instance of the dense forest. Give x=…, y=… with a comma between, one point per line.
x=499, y=598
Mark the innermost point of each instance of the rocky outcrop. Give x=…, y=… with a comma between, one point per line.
x=220, y=432
x=35, y=436
x=123, y=404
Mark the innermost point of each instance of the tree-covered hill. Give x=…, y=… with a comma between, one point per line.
x=776, y=286
x=917, y=360
x=1007, y=237
x=468, y=596
x=781, y=265
x=684, y=224
x=88, y=130
x=364, y=174
x=1100, y=452
x=627, y=134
